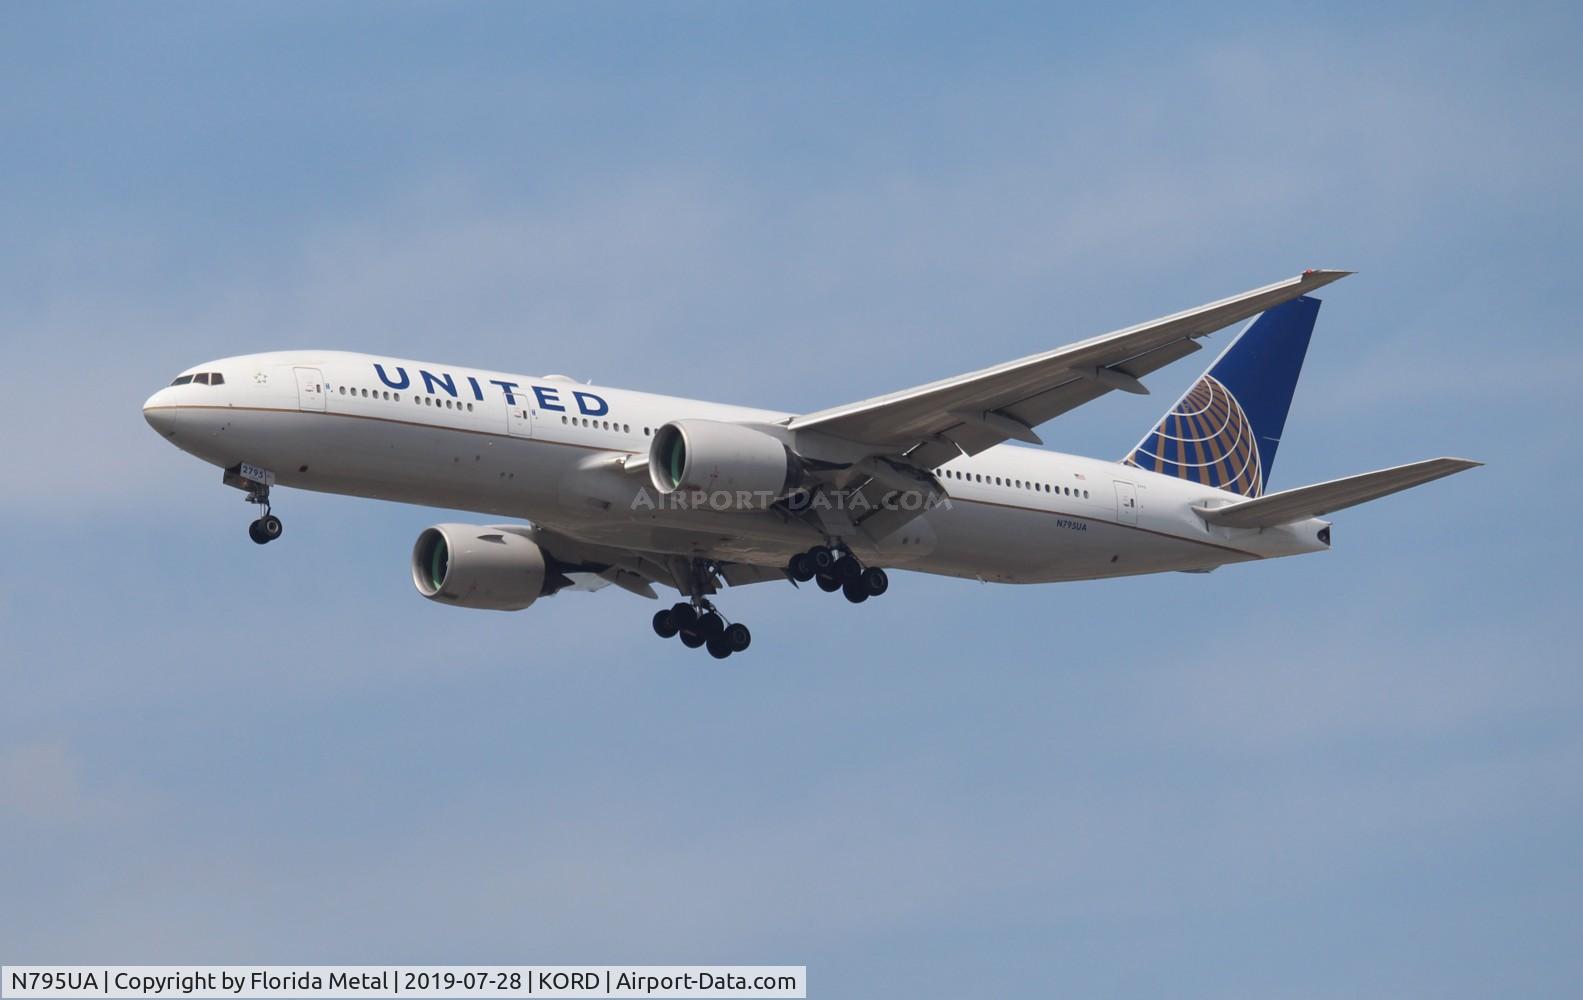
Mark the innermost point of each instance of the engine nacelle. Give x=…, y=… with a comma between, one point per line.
x=733, y=467
x=476, y=566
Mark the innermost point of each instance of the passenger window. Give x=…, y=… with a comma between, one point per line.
x=469, y=407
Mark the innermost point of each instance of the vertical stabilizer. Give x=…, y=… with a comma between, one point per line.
x=1224, y=431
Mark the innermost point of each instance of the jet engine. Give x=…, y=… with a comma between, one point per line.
x=730, y=466
x=477, y=566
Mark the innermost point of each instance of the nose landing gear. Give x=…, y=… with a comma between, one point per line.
x=255, y=482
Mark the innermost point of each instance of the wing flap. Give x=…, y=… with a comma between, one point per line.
x=1322, y=498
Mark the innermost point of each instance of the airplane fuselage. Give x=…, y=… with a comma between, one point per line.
x=551, y=451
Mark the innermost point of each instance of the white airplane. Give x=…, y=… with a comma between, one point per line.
x=636, y=489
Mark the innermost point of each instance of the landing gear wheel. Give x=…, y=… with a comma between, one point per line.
x=664, y=624
x=710, y=625
x=692, y=639
x=827, y=583
x=847, y=569
x=822, y=558
x=855, y=591
x=875, y=581
x=719, y=647
x=683, y=615
x=269, y=527
x=255, y=531
x=738, y=637
x=800, y=567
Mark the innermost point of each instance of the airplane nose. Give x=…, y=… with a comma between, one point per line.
x=160, y=414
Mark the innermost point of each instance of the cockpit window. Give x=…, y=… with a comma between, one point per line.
x=201, y=379
x=215, y=378
x=182, y=380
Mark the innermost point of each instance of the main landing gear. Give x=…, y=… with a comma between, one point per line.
x=836, y=570
x=699, y=624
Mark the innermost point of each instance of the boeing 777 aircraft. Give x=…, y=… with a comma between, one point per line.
x=610, y=486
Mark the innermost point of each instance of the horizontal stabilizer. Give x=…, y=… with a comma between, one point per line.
x=1322, y=498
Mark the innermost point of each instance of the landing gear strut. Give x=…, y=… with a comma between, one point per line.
x=833, y=571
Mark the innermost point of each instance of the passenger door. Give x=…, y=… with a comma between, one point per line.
x=1126, y=503
x=519, y=418
x=310, y=389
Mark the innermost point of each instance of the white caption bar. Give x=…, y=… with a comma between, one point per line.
x=282, y=982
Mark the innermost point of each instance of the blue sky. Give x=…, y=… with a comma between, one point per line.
x=1354, y=774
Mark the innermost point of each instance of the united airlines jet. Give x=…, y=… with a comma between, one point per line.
x=608, y=486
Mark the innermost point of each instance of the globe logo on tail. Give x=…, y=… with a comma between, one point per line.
x=1207, y=439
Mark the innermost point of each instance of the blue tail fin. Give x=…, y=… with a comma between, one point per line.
x=1225, y=430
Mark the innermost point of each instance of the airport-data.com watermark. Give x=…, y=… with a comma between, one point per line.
x=853, y=502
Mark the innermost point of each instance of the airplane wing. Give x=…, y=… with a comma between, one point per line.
x=1313, y=501
x=930, y=424
x=591, y=566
